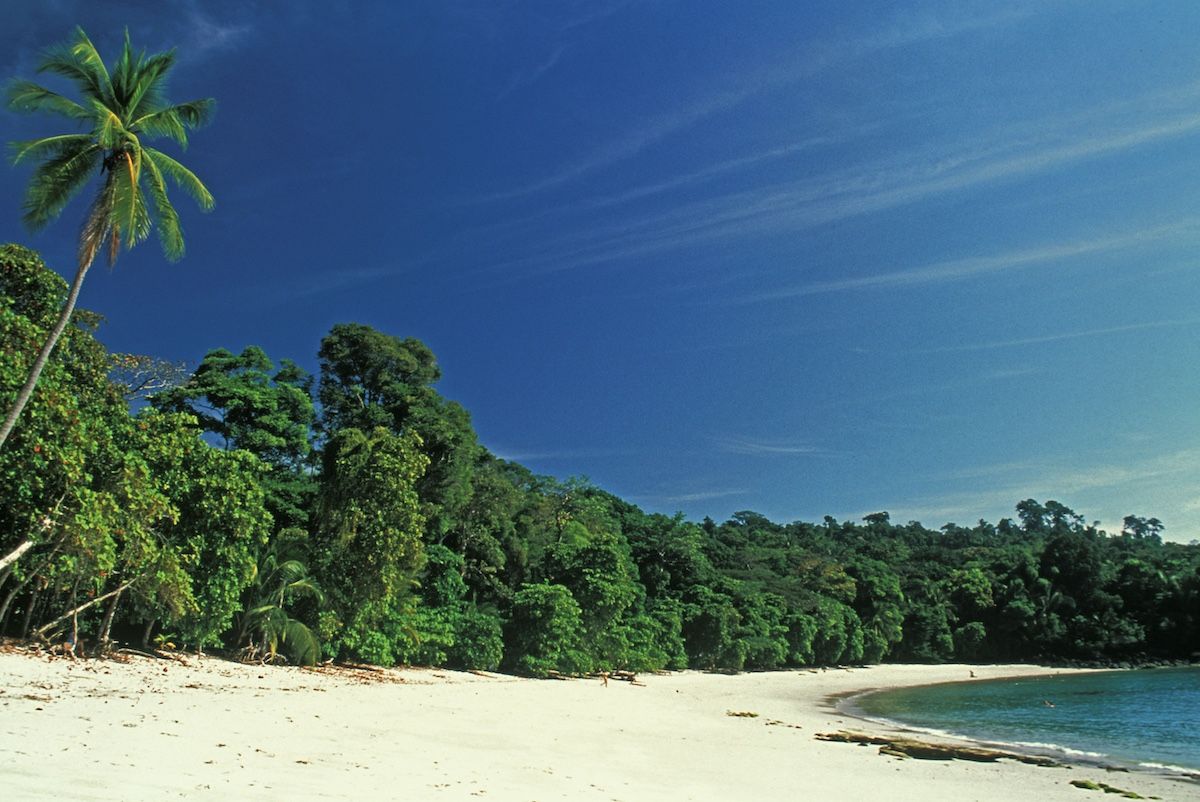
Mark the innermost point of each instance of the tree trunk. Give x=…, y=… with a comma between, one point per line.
x=15, y=554
x=4, y=606
x=42, y=630
x=43, y=356
x=146, y=634
x=106, y=625
x=33, y=602
x=32, y=575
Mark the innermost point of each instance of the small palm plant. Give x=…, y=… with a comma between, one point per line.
x=282, y=577
x=121, y=108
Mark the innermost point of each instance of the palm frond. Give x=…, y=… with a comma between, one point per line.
x=302, y=644
x=290, y=571
x=80, y=62
x=123, y=73
x=28, y=97
x=56, y=181
x=130, y=217
x=196, y=113
x=98, y=225
x=146, y=94
x=162, y=123
x=47, y=146
x=170, y=234
x=110, y=131
x=86, y=54
x=174, y=121
x=184, y=178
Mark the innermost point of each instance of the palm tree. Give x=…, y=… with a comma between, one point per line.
x=281, y=577
x=122, y=106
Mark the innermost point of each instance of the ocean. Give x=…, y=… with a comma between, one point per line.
x=1148, y=718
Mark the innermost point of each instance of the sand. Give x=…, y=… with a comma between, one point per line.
x=204, y=728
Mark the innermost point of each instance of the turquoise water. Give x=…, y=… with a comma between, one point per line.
x=1148, y=717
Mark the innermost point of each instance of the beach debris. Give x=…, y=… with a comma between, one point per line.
x=741, y=714
x=774, y=722
x=924, y=750
x=1089, y=785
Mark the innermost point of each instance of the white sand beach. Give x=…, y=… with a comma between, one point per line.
x=204, y=728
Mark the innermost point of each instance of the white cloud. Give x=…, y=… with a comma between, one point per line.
x=741, y=445
x=904, y=32
x=528, y=77
x=957, y=269
x=1053, y=338
x=1107, y=490
x=869, y=188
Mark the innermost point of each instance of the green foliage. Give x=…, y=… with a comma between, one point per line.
x=222, y=521
x=370, y=379
x=545, y=632
x=280, y=580
x=426, y=549
x=710, y=622
x=368, y=528
x=249, y=405
x=478, y=640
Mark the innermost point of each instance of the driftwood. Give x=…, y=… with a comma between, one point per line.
x=623, y=676
x=1088, y=785
x=142, y=653
x=923, y=750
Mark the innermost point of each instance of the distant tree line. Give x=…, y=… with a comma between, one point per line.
x=354, y=515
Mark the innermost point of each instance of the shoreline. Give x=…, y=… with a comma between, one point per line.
x=208, y=728
x=845, y=703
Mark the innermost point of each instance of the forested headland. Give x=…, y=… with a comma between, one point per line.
x=250, y=507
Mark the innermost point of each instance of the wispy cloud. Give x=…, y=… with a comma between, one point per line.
x=690, y=497
x=205, y=35
x=870, y=188
x=1165, y=482
x=902, y=33
x=742, y=445
x=596, y=12
x=958, y=269
x=1060, y=337
x=557, y=455
x=325, y=283
x=527, y=77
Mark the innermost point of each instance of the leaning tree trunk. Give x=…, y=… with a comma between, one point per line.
x=34, y=598
x=42, y=630
x=43, y=356
x=106, y=625
x=8, y=559
x=17, y=588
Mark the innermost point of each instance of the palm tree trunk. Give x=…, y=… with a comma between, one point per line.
x=44, y=355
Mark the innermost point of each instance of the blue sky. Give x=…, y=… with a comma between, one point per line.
x=804, y=259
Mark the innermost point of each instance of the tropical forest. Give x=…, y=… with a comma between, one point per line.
x=244, y=506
